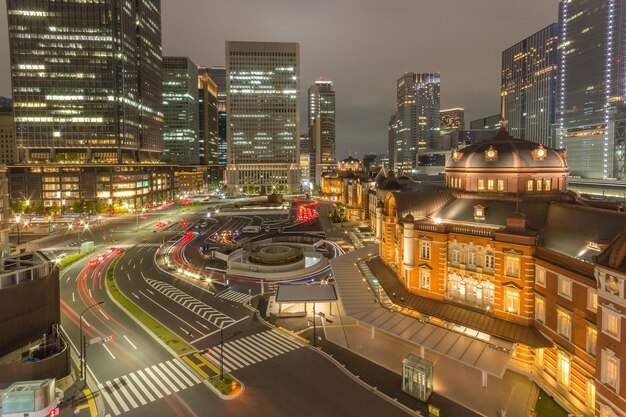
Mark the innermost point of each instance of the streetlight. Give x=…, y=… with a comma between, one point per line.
x=85, y=227
x=83, y=342
x=17, y=224
x=237, y=333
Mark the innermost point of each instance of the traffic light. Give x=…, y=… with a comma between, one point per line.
x=107, y=339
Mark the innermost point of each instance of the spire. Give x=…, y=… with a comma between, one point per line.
x=503, y=94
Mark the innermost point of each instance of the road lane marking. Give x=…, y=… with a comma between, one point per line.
x=145, y=391
x=134, y=390
x=167, y=381
x=122, y=387
x=150, y=384
x=104, y=314
x=135, y=295
x=107, y=349
x=108, y=399
x=158, y=381
x=131, y=343
x=187, y=371
x=171, y=364
x=202, y=325
x=172, y=376
x=73, y=297
x=198, y=330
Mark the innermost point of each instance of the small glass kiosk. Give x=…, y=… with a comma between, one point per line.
x=417, y=377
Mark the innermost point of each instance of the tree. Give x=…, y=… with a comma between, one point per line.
x=338, y=215
x=17, y=207
x=78, y=206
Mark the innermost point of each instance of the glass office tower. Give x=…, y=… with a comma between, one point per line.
x=263, y=117
x=218, y=75
x=86, y=80
x=591, y=86
x=529, y=79
x=180, y=107
x=321, y=105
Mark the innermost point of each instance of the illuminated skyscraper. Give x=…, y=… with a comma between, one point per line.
x=427, y=98
x=208, y=117
x=218, y=75
x=86, y=80
x=180, y=107
x=263, y=116
x=322, y=127
x=592, y=86
x=529, y=79
x=452, y=120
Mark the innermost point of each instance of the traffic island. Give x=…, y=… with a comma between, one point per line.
x=228, y=389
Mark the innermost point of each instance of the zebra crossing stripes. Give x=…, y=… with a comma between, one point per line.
x=140, y=388
x=217, y=318
x=148, y=245
x=252, y=349
x=235, y=296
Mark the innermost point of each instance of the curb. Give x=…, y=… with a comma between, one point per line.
x=222, y=396
x=294, y=335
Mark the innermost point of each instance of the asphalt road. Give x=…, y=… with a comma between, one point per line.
x=136, y=376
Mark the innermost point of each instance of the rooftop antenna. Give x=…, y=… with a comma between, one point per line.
x=504, y=122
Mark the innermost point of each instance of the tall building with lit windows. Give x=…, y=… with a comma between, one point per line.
x=592, y=86
x=529, y=79
x=180, y=107
x=263, y=117
x=86, y=80
x=208, y=112
x=452, y=120
x=218, y=75
x=322, y=127
x=427, y=104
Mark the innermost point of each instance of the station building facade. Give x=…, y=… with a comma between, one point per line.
x=504, y=240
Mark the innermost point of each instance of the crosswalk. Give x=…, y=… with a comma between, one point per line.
x=252, y=349
x=210, y=314
x=147, y=385
x=149, y=245
x=235, y=296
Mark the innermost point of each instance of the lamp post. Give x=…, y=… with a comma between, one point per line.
x=80, y=233
x=17, y=224
x=83, y=342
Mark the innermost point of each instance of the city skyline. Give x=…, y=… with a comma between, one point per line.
x=367, y=97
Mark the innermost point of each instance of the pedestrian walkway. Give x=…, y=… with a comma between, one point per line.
x=149, y=245
x=249, y=350
x=147, y=385
x=205, y=311
x=235, y=296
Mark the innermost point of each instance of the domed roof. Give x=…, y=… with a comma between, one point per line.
x=506, y=152
x=614, y=256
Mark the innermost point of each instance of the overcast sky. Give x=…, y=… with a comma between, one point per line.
x=363, y=46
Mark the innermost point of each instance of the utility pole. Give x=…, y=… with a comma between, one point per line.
x=314, y=328
x=83, y=342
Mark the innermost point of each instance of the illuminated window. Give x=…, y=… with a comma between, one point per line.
x=592, y=300
x=490, y=259
x=511, y=301
x=529, y=185
x=564, y=323
x=563, y=370
x=547, y=184
x=425, y=250
x=540, y=309
x=424, y=279
x=590, y=394
x=565, y=287
x=539, y=185
x=455, y=255
x=540, y=276
x=500, y=185
x=512, y=266
x=490, y=185
x=591, y=338
x=611, y=323
x=481, y=185
x=610, y=369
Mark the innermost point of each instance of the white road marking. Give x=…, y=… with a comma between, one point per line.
x=90, y=293
x=107, y=349
x=103, y=313
x=131, y=343
x=73, y=297
x=135, y=295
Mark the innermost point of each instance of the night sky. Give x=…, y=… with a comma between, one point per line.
x=363, y=46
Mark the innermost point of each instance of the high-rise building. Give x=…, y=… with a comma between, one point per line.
x=6, y=102
x=416, y=120
x=489, y=122
x=529, y=79
x=392, y=143
x=427, y=99
x=262, y=105
x=208, y=131
x=218, y=75
x=306, y=173
x=8, y=154
x=452, y=120
x=321, y=103
x=592, y=86
x=180, y=109
x=86, y=80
